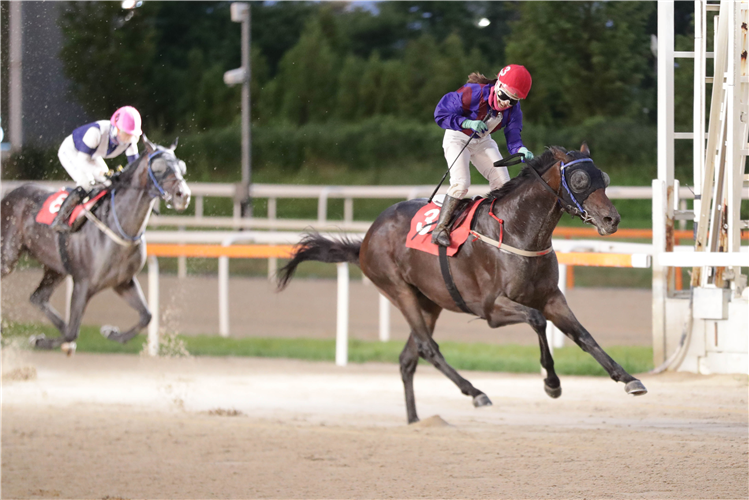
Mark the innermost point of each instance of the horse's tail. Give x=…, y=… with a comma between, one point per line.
x=314, y=246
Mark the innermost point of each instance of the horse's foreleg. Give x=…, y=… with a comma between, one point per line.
x=133, y=295
x=42, y=294
x=78, y=303
x=561, y=315
x=507, y=312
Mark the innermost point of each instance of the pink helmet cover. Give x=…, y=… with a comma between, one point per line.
x=127, y=119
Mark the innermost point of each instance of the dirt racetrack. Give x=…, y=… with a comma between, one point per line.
x=118, y=426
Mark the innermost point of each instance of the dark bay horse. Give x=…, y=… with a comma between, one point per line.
x=503, y=288
x=96, y=257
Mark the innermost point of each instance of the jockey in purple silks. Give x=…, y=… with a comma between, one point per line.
x=82, y=155
x=474, y=112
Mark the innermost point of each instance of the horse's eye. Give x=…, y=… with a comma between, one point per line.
x=606, y=179
x=579, y=181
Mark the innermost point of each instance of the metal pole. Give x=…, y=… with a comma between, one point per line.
x=246, y=117
x=153, y=305
x=15, y=127
x=341, y=339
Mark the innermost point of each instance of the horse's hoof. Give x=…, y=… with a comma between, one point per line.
x=35, y=339
x=481, y=400
x=553, y=393
x=68, y=348
x=108, y=330
x=635, y=388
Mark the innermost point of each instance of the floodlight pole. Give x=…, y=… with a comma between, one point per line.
x=240, y=13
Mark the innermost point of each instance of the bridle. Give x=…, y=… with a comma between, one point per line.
x=123, y=238
x=576, y=209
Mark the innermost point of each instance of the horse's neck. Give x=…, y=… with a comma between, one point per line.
x=530, y=215
x=133, y=207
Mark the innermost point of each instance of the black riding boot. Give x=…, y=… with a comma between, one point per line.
x=440, y=235
x=60, y=224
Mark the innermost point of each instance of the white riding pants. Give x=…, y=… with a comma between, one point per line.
x=482, y=152
x=83, y=169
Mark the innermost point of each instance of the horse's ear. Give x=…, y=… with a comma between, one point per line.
x=174, y=144
x=150, y=147
x=585, y=149
x=560, y=154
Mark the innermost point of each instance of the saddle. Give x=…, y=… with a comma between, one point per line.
x=423, y=223
x=53, y=202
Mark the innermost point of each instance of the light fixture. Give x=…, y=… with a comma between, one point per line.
x=484, y=22
x=131, y=4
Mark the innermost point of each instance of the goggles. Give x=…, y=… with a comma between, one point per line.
x=504, y=95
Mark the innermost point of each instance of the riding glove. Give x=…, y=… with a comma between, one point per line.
x=475, y=125
x=528, y=154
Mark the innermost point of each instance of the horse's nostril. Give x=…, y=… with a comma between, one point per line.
x=608, y=220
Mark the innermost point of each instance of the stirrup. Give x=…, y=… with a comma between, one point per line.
x=441, y=237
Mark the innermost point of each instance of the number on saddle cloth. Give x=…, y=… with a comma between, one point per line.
x=422, y=224
x=52, y=204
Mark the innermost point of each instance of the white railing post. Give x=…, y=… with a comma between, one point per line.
x=68, y=297
x=384, y=319
x=348, y=209
x=273, y=261
x=223, y=296
x=554, y=336
x=181, y=260
x=341, y=340
x=322, y=205
x=153, y=305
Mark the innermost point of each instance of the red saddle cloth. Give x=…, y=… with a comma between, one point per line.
x=425, y=220
x=54, y=201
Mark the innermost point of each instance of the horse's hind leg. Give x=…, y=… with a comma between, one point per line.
x=559, y=312
x=11, y=247
x=508, y=312
x=409, y=359
x=412, y=308
x=42, y=294
x=133, y=295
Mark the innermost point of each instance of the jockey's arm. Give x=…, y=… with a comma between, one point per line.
x=449, y=112
x=513, y=129
x=132, y=152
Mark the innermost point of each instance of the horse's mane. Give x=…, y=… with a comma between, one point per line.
x=540, y=163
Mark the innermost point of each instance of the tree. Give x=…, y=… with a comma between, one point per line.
x=108, y=66
x=307, y=78
x=586, y=58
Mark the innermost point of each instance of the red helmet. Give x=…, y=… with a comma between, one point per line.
x=515, y=79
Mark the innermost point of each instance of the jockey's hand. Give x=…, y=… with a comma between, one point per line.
x=475, y=125
x=527, y=154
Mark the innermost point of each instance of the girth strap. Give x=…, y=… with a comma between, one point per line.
x=449, y=283
x=62, y=243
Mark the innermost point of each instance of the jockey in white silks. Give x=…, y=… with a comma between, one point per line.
x=82, y=154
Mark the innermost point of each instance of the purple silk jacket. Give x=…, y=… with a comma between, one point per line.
x=471, y=102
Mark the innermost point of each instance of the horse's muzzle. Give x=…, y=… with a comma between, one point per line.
x=181, y=197
x=604, y=215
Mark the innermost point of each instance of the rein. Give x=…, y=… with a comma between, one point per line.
x=123, y=239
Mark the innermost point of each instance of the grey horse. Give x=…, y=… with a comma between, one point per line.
x=107, y=253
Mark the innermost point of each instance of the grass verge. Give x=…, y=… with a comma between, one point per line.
x=463, y=356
